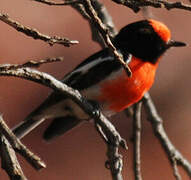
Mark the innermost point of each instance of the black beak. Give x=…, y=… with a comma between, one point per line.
x=173, y=43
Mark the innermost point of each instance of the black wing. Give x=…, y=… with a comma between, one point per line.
x=89, y=72
x=94, y=69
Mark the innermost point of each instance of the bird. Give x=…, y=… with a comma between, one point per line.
x=103, y=81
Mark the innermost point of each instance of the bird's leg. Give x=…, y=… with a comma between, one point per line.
x=95, y=107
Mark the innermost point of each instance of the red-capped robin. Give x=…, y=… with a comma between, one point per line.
x=102, y=79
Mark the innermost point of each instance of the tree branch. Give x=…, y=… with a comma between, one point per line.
x=9, y=160
x=104, y=16
x=137, y=140
x=136, y=5
x=35, y=34
x=30, y=63
x=156, y=121
x=105, y=33
x=34, y=160
x=106, y=19
x=115, y=161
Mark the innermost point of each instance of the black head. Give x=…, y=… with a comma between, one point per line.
x=147, y=39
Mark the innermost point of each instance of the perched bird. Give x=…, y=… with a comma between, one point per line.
x=103, y=80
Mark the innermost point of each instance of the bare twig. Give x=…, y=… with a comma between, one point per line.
x=36, y=64
x=173, y=154
x=175, y=170
x=104, y=32
x=9, y=160
x=104, y=16
x=96, y=36
x=30, y=63
x=136, y=5
x=34, y=160
x=106, y=19
x=137, y=140
x=51, y=3
x=35, y=34
x=81, y=10
x=175, y=5
x=101, y=133
x=115, y=162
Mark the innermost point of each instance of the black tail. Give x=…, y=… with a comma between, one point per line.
x=25, y=127
x=37, y=116
x=60, y=126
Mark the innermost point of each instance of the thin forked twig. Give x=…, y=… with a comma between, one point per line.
x=173, y=154
x=9, y=160
x=106, y=19
x=34, y=160
x=30, y=63
x=36, y=34
x=115, y=161
x=105, y=33
x=104, y=16
x=175, y=170
x=96, y=36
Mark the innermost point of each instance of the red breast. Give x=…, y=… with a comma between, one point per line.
x=121, y=92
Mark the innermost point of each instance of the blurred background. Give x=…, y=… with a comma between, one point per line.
x=80, y=154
